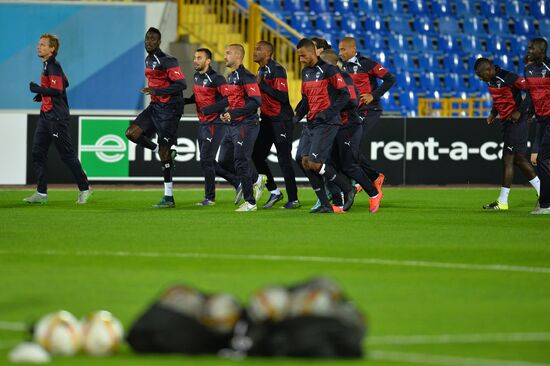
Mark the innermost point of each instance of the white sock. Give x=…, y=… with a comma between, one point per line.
x=260, y=179
x=503, y=197
x=275, y=191
x=168, y=189
x=535, y=182
x=41, y=194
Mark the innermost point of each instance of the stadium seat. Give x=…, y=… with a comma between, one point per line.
x=375, y=24
x=270, y=22
x=440, y=8
x=474, y=25
x=409, y=103
x=326, y=23
x=272, y=5
x=448, y=44
x=407, y=81
x=498, y=26
x=464, y=9
x=399, y=42
x=524, y=26
x=405, y=61
x=540, y=9
x=505, y=62
x=430, y=62
x=515, y=9
x=368, y=7
x=424, y=25
x=352, y=24
x=418, y=8
x=477, y=86
x=382, y=57
x=329, y=37
x=400, y=24
x=471, y=43
x=388, y=102
x=518, y=45
x=373, y=41
x=448, y=25
x=344, y=7
x=318, y=6
x=293, y=6
x=454, y=63
x=473, y=58
x=544, y=28
x=423, y=43
x=300, y=22
x=393, y=7
x=496, y=44
x=490, y=9
x=454, y=83
x=429, y=81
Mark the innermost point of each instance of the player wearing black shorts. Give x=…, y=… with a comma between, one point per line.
x=505, y=88
x=165, y=83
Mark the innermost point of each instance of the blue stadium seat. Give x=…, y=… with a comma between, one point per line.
x=400, y=24
x=498, y=26
x=393, y=7
x=476, y=85
x=418, y=7
x=375, y=24
x=505, y=62
x=518, y=45
x=368, y=7
x=544, y=28
x=540, y=9
x=384, y=58
x=423, y=43
x=409, y=103
x=329, y=37
x=300, y=21
x=405, y=61
x=424, y=25
x=515, y=9
x=272, y=5
x=440, y=8
x=525, y=26
x=448, y=44
x=270, y=22
x=430, y=81
x=352, y=24
x=293, y=6
x=406, y=81
x=373, y=41
x=344, y=7
x=326, y=23
x=318, y=6
x=454, y=63
x=490, y=9
x=471, y=43
x=399, y=42
x=448, y=25
x=474, y=25
x=464, y=9
x=473, y=58
x=496, y=44
x=455, y=83
x=388, y=103
x=430, y=62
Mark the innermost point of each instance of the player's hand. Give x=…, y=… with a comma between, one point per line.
x=514, y=117
x=491, y=119
x=148, y=91
x=37, y=98
x=534, y=159
x=366, y=98
x=34, y=87
x=226, y=117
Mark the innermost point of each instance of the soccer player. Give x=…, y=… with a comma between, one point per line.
x=505, y=88
x=165, y=83
x=346, y=150
x=324, y=94
x=321, y=45
x=53, y=124
x=244, y=100
x=275, y=127
x=537, y=77
x=210, y=98
x=365, y=71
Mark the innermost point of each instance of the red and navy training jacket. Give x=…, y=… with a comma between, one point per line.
x=350, y=114
x=274, y=90
x=505, y=89
x=53, y=90
x=243, y=95
x=365, y=72
x=324, y=94
x=538, y=85
x=209, y=95
x=165, y=77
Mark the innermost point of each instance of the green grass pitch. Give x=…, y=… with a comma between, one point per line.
x=441, y=281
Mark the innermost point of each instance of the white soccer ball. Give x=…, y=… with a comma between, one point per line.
x=102, y=334
x=270, y=303
x=183, y=299
x=312, y=301
x=59, y=333
x=221, y=312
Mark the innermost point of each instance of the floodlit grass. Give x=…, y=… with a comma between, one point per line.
x=431, y=262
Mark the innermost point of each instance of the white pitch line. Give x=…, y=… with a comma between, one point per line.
x=280, y=258
x=13, y=326
x=425, y=359
x=459, y=338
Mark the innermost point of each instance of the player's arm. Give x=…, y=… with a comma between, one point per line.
x=336, y=80
x=190, y=100
x=301, y=110
x=222, y=101
x=55, y=87
x=254, y=100
x=280, y=89
x=388, y=79
x=177, y=80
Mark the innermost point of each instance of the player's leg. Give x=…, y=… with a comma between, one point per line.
x=262, y=147
x=519, y=135
x=283, y=134
x=40, y=145
x=140, y=129
x=369, y=121
x=244, y=136
x=209, y=142
x=225, y=164
x=543, y=168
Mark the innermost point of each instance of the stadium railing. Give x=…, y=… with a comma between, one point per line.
x=454, y=107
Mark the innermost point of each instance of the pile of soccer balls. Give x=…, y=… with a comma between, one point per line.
x=60, y=333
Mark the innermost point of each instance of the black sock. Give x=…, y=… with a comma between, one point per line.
x=318, y=186
x=339, y=179
x=146, y=142
x=167, y=170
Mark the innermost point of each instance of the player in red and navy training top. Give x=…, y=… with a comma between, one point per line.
x=505, y=88
x=346, y=149
x=365, y=72
x=210, y=98
x=537, y=77
x=242, y=116
x=53, y=124
x=165, y=83
x=275, y=127
x=324, y=94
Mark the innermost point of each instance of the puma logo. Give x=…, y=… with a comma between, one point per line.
x=56, y=135
x=347, y=143
x=209, y=139
x=283, y=135
x=315, y=155
x=166, y=139
x=240, y=143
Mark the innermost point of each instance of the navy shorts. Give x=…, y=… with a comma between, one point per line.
x=160, y=119
x=316, y=142
x=515, y=136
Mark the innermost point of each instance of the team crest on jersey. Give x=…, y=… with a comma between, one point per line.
x=154, y=64
x=355, y=68
x=204, y=82
x=543, y=73
x=317, y=75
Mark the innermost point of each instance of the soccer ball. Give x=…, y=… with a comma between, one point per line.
x=183, y=299
x=102, y=334
x=221, y=312
x=312, y=301
x=58, y=333
x=270, y=303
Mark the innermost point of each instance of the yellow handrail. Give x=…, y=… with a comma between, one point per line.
x=453, y=107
